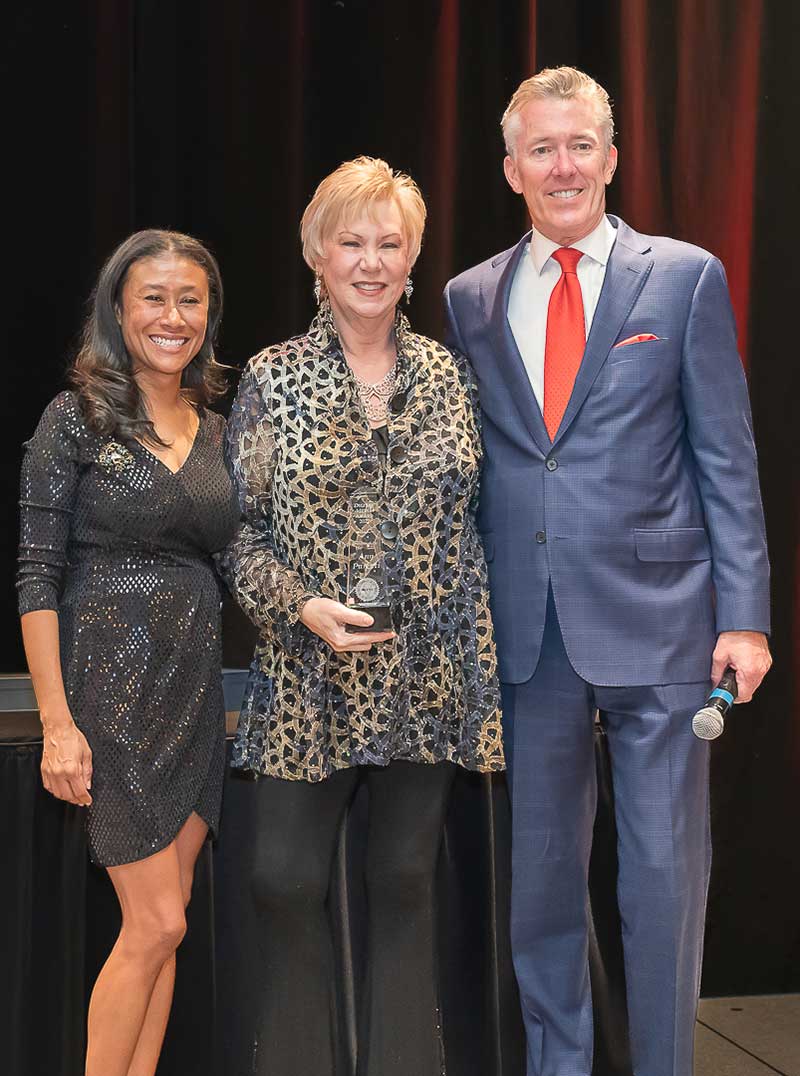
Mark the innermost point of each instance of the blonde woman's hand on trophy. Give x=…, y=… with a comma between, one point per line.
x=329, y=619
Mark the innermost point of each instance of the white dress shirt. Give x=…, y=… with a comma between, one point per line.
x=536, y=276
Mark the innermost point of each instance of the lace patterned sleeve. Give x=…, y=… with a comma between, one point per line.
x=467, y=376
x=270, y=592
x=47, y=492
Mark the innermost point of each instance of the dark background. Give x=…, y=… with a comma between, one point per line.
x=220, y=118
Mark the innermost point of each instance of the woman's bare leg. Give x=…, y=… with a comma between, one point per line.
x=148, y=1048
x=151, y=896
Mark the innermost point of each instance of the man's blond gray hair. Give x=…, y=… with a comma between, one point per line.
x=557, y=82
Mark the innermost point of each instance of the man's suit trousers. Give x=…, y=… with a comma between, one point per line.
x=660, y=775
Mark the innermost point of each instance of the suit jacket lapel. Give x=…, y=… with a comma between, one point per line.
x=628, y=267
x=495, y=292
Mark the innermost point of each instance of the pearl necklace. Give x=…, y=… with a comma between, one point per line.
x=375, y=396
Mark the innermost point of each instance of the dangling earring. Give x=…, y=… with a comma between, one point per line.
x=408, y=289
x=318, y=287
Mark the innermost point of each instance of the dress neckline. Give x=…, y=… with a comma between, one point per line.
x=188, y=455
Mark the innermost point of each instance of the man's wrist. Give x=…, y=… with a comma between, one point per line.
x=756, y=632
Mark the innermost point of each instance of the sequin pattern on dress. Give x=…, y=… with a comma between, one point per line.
x=121, y=547
x=299, y=445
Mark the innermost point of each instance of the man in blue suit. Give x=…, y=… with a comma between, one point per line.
x=622, y=522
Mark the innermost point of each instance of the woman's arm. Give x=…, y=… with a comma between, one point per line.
x=472, y=417
x=66, y=756
x=267, y=589
x=48, y=484
x=272, y=594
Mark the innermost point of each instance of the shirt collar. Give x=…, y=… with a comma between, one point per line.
x=597, y=245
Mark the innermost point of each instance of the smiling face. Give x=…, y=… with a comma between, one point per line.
x=163, y=315
x=365, y=264
x=560, y=167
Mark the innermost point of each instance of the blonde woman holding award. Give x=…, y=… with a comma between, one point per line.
x=355, y=448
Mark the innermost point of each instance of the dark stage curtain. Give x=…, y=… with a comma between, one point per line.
x=221, y=119
x=59, y=918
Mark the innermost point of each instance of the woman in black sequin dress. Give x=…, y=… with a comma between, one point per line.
x=125, y=497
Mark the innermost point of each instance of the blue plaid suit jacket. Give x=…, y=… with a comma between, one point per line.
x=644, y=513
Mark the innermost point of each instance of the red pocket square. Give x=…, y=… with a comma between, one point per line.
x=636, y=340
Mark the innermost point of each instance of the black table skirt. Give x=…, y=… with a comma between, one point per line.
x=59, y=919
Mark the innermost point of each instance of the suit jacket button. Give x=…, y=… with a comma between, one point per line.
x=541, y=537
x=551, y=464
x=398, y=454
x=389, y=530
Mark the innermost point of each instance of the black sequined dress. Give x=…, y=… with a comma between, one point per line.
x=121, y=547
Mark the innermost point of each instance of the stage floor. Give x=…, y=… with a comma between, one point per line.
x=751, y=1036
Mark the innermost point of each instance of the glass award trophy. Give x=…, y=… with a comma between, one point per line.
x=366, y=573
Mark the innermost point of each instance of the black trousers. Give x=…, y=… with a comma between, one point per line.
x=297, y=828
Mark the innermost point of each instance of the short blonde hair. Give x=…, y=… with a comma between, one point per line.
x=355, y=187
x=560, y=82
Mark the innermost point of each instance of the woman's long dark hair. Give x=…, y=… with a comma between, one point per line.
x=110, y=399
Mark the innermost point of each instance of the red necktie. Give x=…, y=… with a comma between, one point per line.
x=565, y=340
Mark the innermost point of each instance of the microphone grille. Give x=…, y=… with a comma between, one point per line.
x=708, y=723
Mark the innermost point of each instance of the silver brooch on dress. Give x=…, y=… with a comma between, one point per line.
x=114, y=457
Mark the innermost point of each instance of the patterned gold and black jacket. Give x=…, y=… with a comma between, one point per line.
x=299, y=446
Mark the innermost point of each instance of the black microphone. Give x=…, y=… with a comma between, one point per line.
x=709, y=722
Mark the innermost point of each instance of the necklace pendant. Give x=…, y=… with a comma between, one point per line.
x=375, y=396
